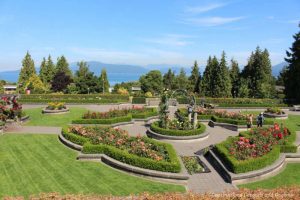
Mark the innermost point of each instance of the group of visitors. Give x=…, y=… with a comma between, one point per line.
x=259, y=120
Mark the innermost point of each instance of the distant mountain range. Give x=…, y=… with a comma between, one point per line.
x=122, y=73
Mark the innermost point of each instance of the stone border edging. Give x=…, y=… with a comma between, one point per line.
x=275, y=116
x=252, y=175
x=119, y=165
x=231, y=127
x=69, y=143
x=61, y=111
x=25, y=118
x=171, y=137
x=126, y=167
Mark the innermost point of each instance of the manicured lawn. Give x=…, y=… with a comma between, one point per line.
x=60, y=120
x=31, y=164
x=288, y=177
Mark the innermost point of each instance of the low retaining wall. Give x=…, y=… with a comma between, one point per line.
x=24, y=119
x=62, y=111
x=122, y=166
x=275, y=116
x=232, y=127
x=256, y=175
x=155, y=135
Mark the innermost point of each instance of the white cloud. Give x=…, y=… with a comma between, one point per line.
x=170, y=40
x=211, y=21
x=202, y=9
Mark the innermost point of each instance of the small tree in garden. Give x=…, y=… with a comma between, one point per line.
x=60, y=82
x=163, y=110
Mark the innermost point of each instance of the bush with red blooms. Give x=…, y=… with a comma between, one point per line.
x=260, y=142
x=9, y=108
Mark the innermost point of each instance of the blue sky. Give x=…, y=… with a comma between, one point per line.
x=145, y=32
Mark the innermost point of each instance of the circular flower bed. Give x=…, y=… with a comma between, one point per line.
x=176, y=128
x=55, y=108
x=276, y=113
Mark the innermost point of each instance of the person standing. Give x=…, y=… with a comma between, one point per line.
x=260, y=120
x=250, y=121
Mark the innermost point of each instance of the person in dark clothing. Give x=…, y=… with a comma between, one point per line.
x=260, y=120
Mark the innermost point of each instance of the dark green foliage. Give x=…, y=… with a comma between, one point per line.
x=237, y=122
x=85, y=81
x=152, y=82
x=222, y=79
x=27, y=70
x=156, y=128
x=103, y=81
x=182, y=81
x=138, y=100
x=258, y=73
x=62, y=65
x=77, y=139
x=47, y=70
x=169, y=80
x=292, y=77
x=235, y=79
x=207, y=84
x=60, y=82
x=114, y=120
x=195, y=79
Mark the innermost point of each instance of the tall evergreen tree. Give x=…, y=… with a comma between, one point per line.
x=152, y=82
x=182, y=81
x=292, y=80
x=169, y=80
x=235, y=78
x=103, y=81
x=47, y=71
x=27, y=70
x=195, y=79
x=258, y=74
x=62, y=65
x=84, y=80
x=223, y=82
x=216, y=78
x=207, y=80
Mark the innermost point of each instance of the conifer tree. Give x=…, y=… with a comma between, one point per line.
x=103, y=81
x=47, y=71
x=235, y=78
x=206, y=83
x=216, y=78
x=182, y=81
x=85, y=81
x=292, y=80
x=223, y=82
x=62, y=65
x=27, y=70
x=195, y=79
x=169, y=80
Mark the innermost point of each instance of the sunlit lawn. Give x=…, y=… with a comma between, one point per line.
x=31, y=164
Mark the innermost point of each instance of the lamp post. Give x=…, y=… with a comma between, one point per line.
x=102, y=85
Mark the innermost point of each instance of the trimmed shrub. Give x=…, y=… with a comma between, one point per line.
x=139, y=100
x=155, y=127
x=151, y=113
x=242, y=166
x=134, y=160
x=77, y=139
x=115, y=120
x=237, y=122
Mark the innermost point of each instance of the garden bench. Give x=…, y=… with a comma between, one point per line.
x=296, y=108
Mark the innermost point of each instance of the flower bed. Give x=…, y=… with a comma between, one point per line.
x=116, y=115
x=174, y=131
x=192, y=164
x=253, y=150
x=10, y=109
x=137, y=151
x=275, y=113
x=55, y=107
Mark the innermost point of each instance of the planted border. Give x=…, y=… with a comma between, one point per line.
x=154, y=127
x=237, y=122
x=125, y=157
x=114, y=120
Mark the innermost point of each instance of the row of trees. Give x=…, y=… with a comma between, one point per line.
x=219, y=79
x=59, y=77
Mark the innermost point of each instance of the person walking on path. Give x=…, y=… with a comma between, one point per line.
x=260, y=120
x=250, y=121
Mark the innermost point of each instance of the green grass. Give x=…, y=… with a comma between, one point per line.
x=31, y=164
x=59, y=120
x=288, y=177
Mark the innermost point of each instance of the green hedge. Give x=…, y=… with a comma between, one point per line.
x=242, y=166
x=75, y=96
x=237, y=102
x=154, y=127
x=94, y=101
x=149, y=113
x=139, y=100
x=115, y=120
x=173, y=165
x=77, y=139
x=238, y=122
